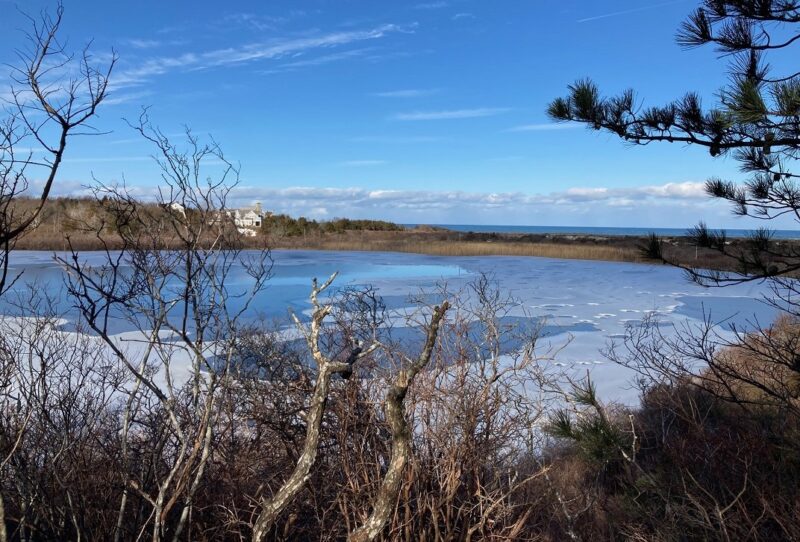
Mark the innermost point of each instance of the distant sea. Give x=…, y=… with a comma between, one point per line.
x=591, y=230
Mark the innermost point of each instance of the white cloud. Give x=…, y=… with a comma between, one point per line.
x=324, y=59
x=458, y=16
x=582, y=194
x=340, y=201
x=253, y=21
x=261, y=23
x=667, y=205
x=407, y=93
x=318, y=212
x=432, y=5
x=452, y=114
x=116, y=99
x=232, y=56
x=676, y=190
x=142, y=43
x=629, y=11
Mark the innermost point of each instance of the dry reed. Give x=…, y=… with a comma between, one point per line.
x=474, y=248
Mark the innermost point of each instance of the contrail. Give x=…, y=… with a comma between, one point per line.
x=627, y=11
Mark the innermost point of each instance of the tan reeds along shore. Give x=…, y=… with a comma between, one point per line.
x=678, y=250
x=470, y=248
x=438, y=242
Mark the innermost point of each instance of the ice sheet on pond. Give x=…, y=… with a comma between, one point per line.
x=583, y=303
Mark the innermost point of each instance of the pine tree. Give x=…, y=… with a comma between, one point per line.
x=756, y=120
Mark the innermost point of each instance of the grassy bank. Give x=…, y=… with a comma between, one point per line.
x=679, y=250
x=85, y=224
x=436, y=243
x=467, y=248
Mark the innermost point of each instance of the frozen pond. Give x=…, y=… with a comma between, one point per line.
x=584, y=303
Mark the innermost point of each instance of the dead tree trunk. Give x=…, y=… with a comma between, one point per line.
x=272, y=507
x=401, y=436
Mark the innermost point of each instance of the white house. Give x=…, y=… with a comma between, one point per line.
x=247, y=220
x=247, y=217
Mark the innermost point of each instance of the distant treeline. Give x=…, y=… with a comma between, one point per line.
x=284, y=225
x=82, y=218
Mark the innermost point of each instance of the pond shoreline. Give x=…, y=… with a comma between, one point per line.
x=439, y=242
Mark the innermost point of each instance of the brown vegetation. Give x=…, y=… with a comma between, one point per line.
x=707, y=455
x=84, y=224
x=437, y=423
x=688, y=464
x=437, y=244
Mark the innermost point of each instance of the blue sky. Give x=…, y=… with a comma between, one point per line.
x=430, y=111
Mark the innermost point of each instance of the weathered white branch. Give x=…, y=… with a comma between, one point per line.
x=272, y=507
x=401, y=436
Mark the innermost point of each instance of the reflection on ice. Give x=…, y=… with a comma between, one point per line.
x=566, y=299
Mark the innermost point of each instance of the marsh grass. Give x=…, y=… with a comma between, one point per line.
x=52, y=234
x=470, y=248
